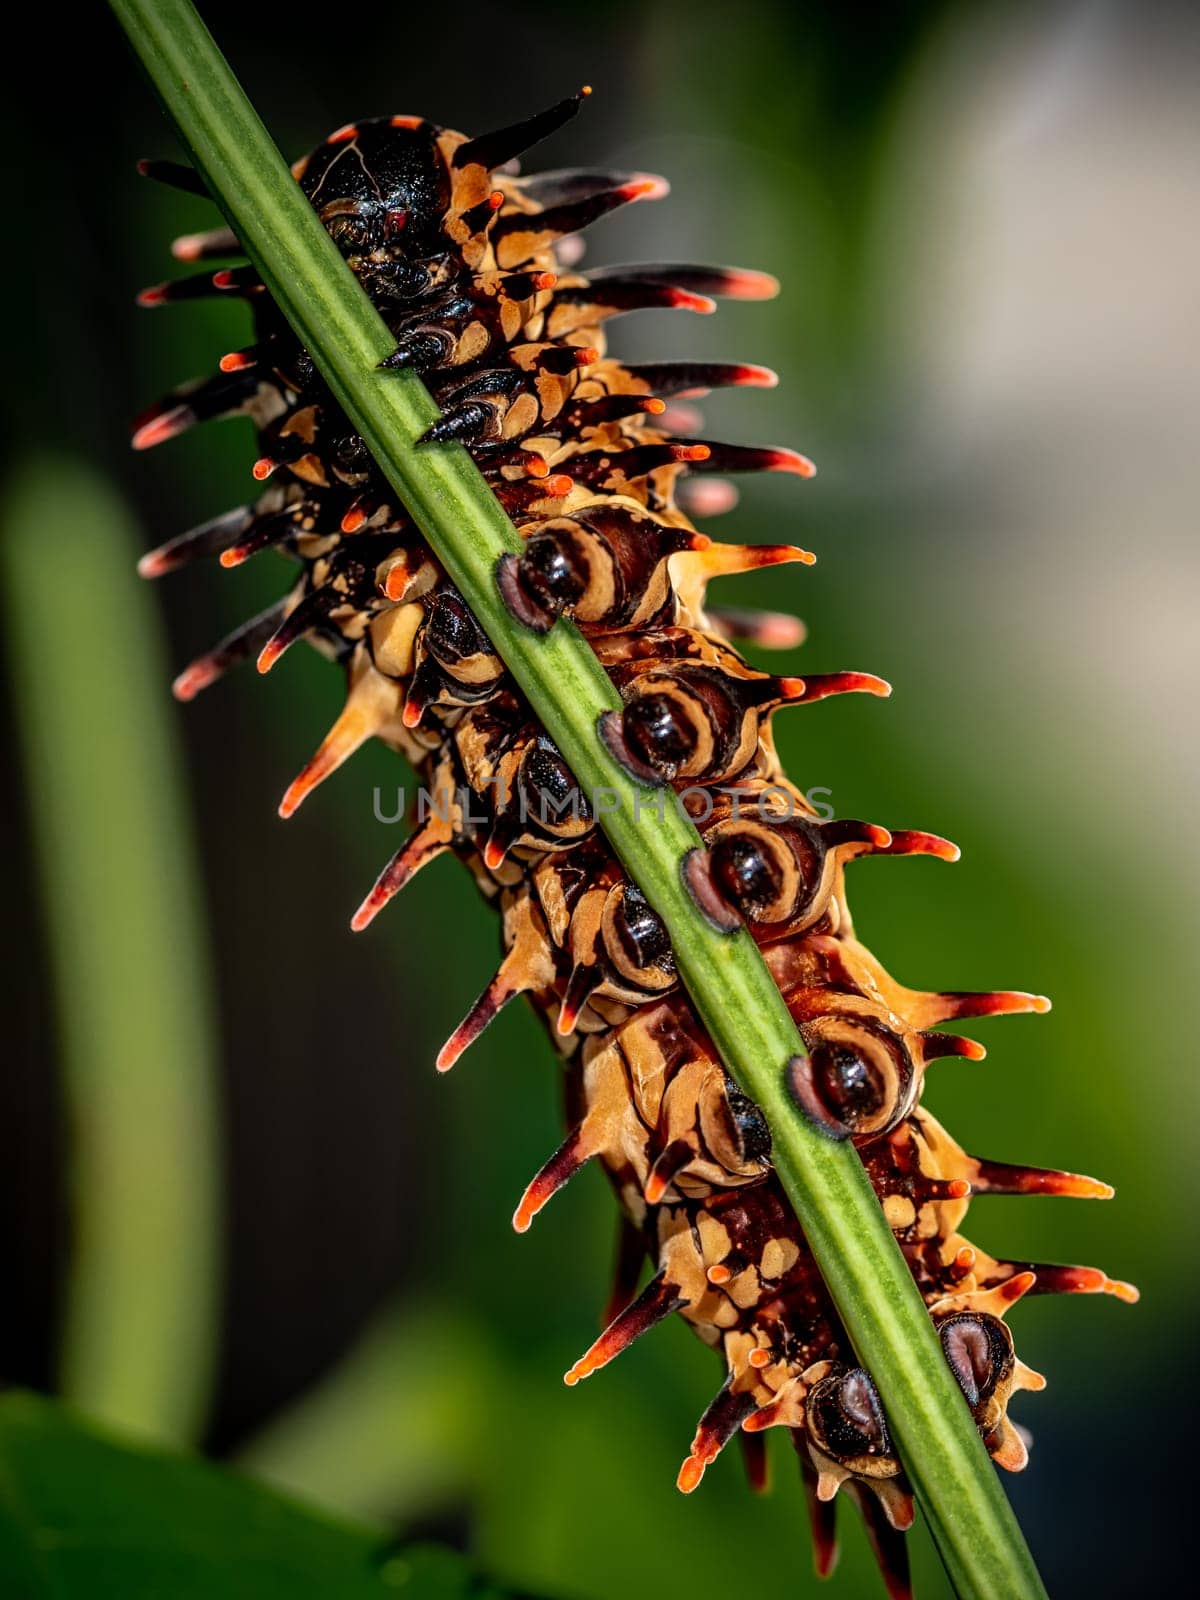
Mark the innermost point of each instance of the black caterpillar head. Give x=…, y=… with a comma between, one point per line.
x=380, y=186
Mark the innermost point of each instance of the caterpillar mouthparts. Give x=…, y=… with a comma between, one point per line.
x=476, y=273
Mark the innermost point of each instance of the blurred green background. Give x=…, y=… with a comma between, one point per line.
x=237, y=1206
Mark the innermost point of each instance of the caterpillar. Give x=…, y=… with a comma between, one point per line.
x=476, y=270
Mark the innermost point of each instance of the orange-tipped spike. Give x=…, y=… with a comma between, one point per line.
x=503, y=988
x=644, y=186
x=936, y=1046
x=161, y=428
x=820, y=685
x=398, y=578
x=235, y=647
x=580, y=985
x=494, y=852
x=952, y=1006
x=725, y=560
x=354, y=519
x=743, y=283
x=789, y=461
x=194, y=678
x=1052, y=1279
x=238, y=360
x=414, y=710
x=925, y=1189
x=685, y=300
x=908, y=842
x=1015, y=1289
x=672, y=1161
x=263, y=468
x=270, y=654
x=964, y=1261
x=758, y=458
x=369, y=705
x=657, y=1300
x=431, y=839
x=765, y=1417
x=1002, y=1177
x=720, y=1422
x=566, y=1161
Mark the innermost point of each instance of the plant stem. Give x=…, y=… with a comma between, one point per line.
x=734, y=994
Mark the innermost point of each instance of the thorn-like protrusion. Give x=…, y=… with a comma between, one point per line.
x=430, y=840
x=657, y=1300
x=492, y=150
x=574, y=1152
x=243, y=642
x=370, y=705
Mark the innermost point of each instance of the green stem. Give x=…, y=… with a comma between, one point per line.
x=980, y=1542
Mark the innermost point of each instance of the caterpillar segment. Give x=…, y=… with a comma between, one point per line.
x=475, y=269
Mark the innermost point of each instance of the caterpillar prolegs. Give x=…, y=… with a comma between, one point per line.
x=475, y=269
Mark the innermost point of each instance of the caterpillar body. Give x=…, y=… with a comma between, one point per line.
x=475, y=270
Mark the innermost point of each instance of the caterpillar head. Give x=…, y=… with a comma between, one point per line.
x=381, y=187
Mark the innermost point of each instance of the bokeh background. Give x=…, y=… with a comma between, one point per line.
x=237, y=1206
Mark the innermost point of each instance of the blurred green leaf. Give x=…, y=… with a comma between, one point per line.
x=122, y=899
x=81, y=1515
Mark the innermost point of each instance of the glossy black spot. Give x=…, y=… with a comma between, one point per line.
x=745, y=873
x=643, y=936
x=753, y=1134
x=452, y=633
x=658, y=731
x=350, y=453
x=848, y=1083
x=549, y=793
x=552, y=573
